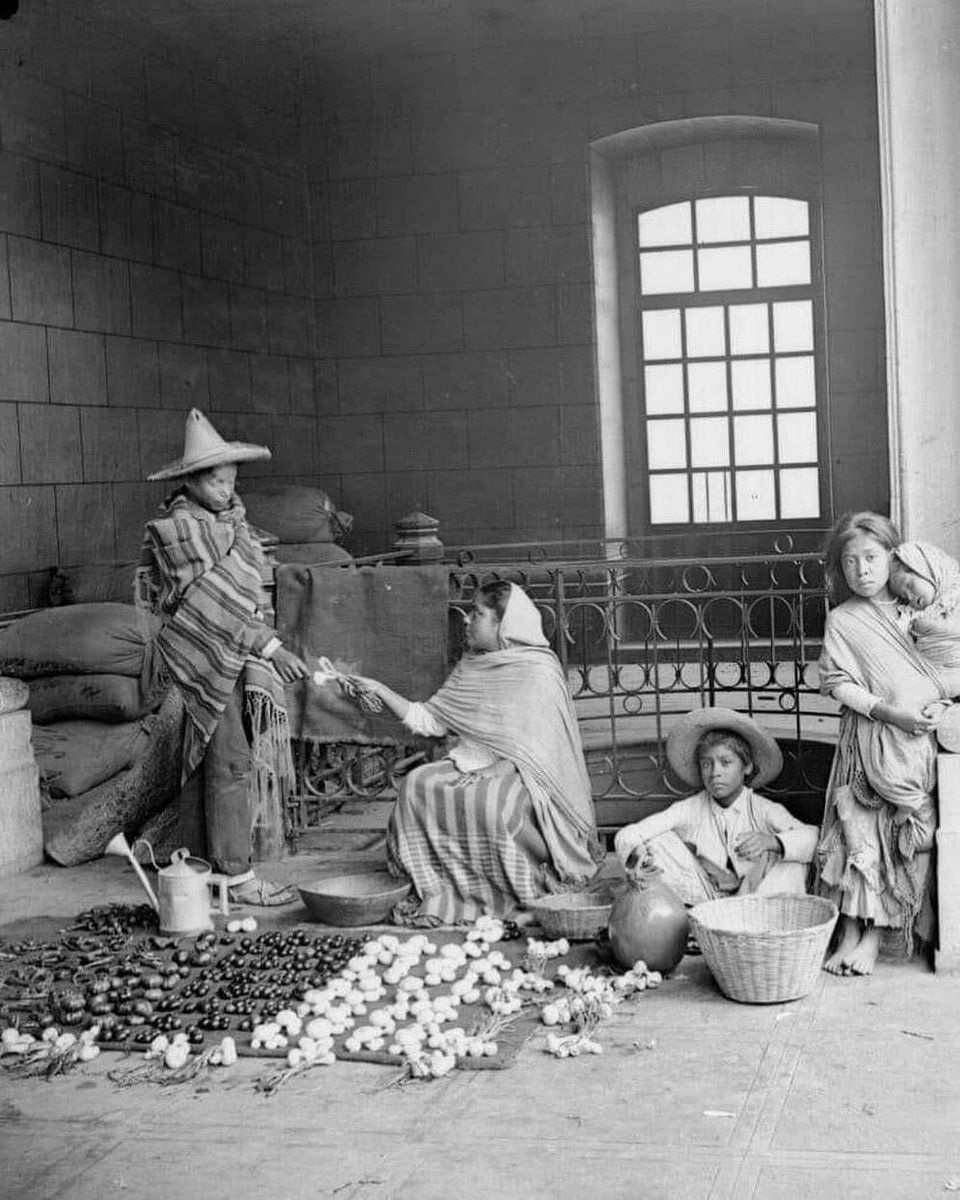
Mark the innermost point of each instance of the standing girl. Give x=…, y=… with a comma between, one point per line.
x=880, y=813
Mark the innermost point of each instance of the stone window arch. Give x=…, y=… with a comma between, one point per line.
x=710, y=326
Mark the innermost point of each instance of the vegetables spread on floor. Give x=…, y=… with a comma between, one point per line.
x=425, y=1004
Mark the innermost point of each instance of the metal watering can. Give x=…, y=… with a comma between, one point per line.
x=182, y=892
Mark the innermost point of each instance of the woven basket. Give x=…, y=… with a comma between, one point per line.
x=578, y=916
x=764, y=949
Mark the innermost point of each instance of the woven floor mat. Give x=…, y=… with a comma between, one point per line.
x=42, y=961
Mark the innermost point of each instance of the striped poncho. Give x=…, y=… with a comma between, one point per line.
x=210, y=568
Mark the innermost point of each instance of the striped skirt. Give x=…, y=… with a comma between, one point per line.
x=461, y=842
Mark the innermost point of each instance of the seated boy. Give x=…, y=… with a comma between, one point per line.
x=725, y=839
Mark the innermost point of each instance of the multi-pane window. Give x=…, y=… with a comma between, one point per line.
x=727, y=346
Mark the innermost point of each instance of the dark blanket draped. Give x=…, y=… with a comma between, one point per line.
x=386, y=622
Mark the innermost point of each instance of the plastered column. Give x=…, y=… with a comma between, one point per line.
x=918, y=91
x=948, y=864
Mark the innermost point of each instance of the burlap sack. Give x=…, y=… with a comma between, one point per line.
x=74, y=756
x=296, y=514
x=110, y=698
x=93, y=583
x=80, y=639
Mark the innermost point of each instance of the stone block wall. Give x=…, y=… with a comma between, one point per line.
x=457, y=323
x=155, y=238
x=374, y=258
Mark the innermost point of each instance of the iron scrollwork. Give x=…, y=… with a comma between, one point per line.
x=641, y=640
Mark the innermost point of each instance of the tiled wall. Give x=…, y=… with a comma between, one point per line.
x=154, y=255
x=384, y=275
x=458, y=318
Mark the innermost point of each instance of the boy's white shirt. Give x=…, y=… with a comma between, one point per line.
x=713, y=831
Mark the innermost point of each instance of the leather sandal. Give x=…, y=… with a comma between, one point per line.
x=262, y=893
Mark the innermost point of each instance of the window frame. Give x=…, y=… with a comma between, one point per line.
x=635, y=413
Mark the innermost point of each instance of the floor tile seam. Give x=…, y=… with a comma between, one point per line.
x=881, y=1036
x=760, y=1132
x=66, y=1188
x=660, y=1151
x=746, y=1165
x=307, y=1136
x=354, y=1189
x=146, y=1124
x=878, y=1160
x=82, y=1123
x=729, y=1179
x=744, y=1185
x=757, y=1097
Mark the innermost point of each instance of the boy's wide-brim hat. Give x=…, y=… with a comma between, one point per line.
x=684, y=737
x=204, y=448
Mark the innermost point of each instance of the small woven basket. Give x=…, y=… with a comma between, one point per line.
x=578, y=916
x=764, y=949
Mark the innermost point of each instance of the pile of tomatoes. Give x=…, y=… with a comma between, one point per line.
x=133, y=992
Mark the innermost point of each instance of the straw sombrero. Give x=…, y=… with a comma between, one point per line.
x=204, y=448
x=684, y=737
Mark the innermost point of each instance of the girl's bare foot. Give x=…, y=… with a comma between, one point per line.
x=864, y=957
x=850, y=933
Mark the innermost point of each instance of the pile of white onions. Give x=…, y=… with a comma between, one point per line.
x=590, y=999
x=175, y=1052
x=419, y=1025
x=51, y=1044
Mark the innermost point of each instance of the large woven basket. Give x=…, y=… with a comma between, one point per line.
x=764, y=949
x=578, y=916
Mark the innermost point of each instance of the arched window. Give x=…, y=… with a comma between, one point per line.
x=727, y=346
x=710, y=320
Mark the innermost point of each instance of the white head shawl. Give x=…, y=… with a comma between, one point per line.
x=939, y=569
x=521, y=624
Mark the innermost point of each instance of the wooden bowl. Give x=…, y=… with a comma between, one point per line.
x=363, y=898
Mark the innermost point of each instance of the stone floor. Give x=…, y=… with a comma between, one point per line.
x=852, y=1092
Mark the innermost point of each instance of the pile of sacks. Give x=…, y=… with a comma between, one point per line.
x=106, y=735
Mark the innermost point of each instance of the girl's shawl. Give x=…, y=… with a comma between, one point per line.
x=515, y=703
x=884, y=768
x=863, y=647
x=210, y=568
x=936, y=627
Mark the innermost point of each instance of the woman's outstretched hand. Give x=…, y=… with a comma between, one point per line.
x=370, y=685
x=398, y=705
x=290, y=667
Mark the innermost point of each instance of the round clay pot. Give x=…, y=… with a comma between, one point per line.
x=648, y=922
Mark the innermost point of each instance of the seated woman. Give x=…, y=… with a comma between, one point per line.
x=507, y=816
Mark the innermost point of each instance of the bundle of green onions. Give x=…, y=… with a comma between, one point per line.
x=53, y=1053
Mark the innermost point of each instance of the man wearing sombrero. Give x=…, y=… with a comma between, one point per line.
x=216, y=647
x=726, y=838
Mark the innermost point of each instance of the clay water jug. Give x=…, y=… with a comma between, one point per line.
x=648, y=921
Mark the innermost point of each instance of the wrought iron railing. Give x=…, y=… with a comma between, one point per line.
x=643, y=640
